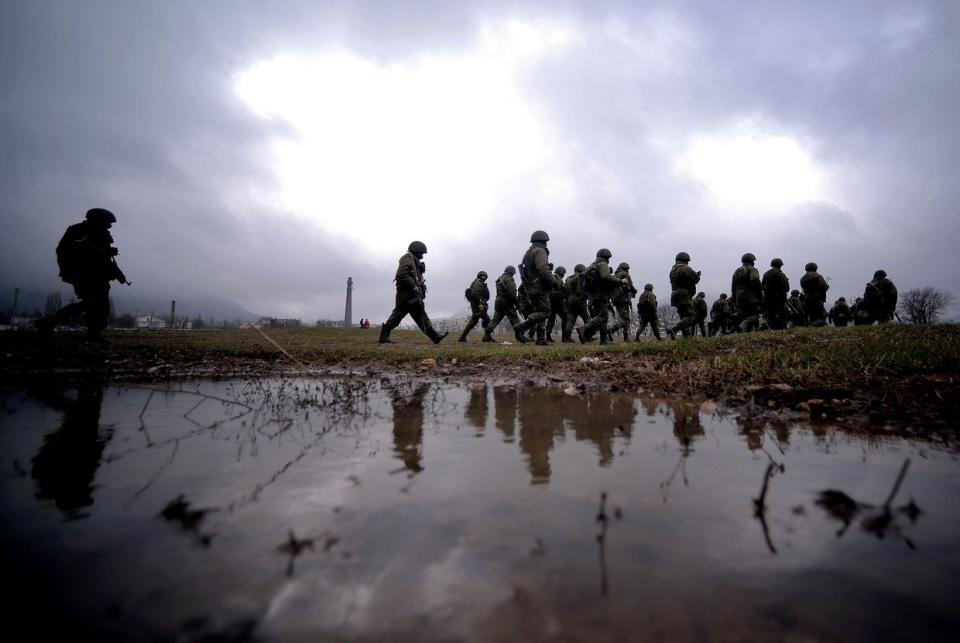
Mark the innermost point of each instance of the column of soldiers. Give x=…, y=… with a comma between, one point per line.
x=600, y=299
x=543, y=299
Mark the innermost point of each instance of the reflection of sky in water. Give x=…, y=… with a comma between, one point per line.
x=434, y=511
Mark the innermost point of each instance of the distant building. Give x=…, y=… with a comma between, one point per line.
x=22, y=323
x=275, y=322
x=151, y=322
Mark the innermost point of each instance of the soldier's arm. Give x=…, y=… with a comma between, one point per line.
x=406, y=274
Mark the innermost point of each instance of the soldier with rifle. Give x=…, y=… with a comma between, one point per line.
x=411, y=291
x=505, y=304
x=647, y=313
x=478, y=295
x=575, y=292
x=622, y=300
x=87, y=261
x=557, y=303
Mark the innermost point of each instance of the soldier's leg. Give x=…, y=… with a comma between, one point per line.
x=95, y=297
x=655, y=328
x=400, y=310
x=702, y=327
x=474, y=318
x=419, y=314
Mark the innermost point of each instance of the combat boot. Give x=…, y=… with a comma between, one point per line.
x=671, y=333
x=567, y=338
x=487, y=334
x=462, y=338
x=541, y=337
x=438, y=337
x=520, y=329
x=384, y=336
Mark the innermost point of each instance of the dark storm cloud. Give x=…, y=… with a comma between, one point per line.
x=129, y=106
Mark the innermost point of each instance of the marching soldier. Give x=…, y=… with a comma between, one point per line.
x=576, y=301
x=815, y=288
x=622, y=300
x=505, y=304
x=411, y=291
x=880, y=298
x=776, y=285
x=700, y=314
x=537, y=282
x=683, y=281
x=719, y=315
x=601, y=284
x=747, y=294
x=840, y=314
x=478, y=295
x=647, y=312
x=557, y=303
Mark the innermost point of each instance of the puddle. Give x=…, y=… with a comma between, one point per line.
x=368, y=510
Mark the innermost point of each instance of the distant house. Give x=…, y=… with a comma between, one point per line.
x=150, y=322
x=275, y=322
x=21, y=323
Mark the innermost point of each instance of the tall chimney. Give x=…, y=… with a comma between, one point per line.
x=348, y=313
x=173, y=313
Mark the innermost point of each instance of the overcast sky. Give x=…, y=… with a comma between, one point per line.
x=265, y=151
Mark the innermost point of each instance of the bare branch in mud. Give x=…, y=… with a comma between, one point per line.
x=760, y=506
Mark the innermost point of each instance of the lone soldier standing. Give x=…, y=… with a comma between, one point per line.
x=776, y=285
x=683, y=281
x=86, y=257
x=557, y=303
x=719, y=315
x=700, y=314
x=622, y=297
x=478, y=295
x=411, y=290
x=859, y=311
x=600, y=285
x=505, y=304
x=647, y=312
x=840, y=314
x=815, y=288
x=576, y=301
x=747, y=294
x=538, y=282
x=880, y=298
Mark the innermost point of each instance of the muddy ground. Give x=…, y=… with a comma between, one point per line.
x=897, y=376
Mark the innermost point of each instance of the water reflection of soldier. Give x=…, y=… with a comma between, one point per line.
x=599, y=420
x=408, y=426
x=477, y=406
x=539, y=421
x=411, y=291
x=87, y=261
x=505, y=411
x=687, y=427
x=66, y=463
x=478, y=295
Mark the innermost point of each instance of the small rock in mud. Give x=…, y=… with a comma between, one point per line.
x=571, y=390
x=590, y=360
x=428, y=362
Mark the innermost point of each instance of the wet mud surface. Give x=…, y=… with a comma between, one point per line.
x=359, y=508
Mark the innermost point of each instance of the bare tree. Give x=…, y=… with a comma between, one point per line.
x=924, y=305
x=668, y=316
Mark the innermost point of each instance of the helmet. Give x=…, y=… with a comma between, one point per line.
x=417, y=248
x=579, y=268
x=700, y=295
x=604, y=253
x=510, y=270
x=748, y=258
x=776, y=262
x=794, y=292
x=101, y=216
x=561, y=271
x=810, y=267
x=481, y=275
x=623, y=266
x=648, y=286
x=842, y=300
x=723, y=295
x=550, y=266
x=880, y=274
x=539, y=235
x=683, y=256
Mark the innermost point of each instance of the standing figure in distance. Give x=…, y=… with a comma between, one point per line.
x=776, y=285
x=575, y=292
x=557, y=303
x=411, y=291
x=840, y=314
x=880, y=298
x=622, y=300
x=538, y=282
x=505, y=304
x=795, y=314
x=747, y=295
x=719, y=315
x=815, y=288
x=700, y=314
x=87, y=261
x=478, y=295
x=647, y=312
x=683, y=282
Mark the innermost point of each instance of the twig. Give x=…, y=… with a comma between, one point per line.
x=896, y=485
